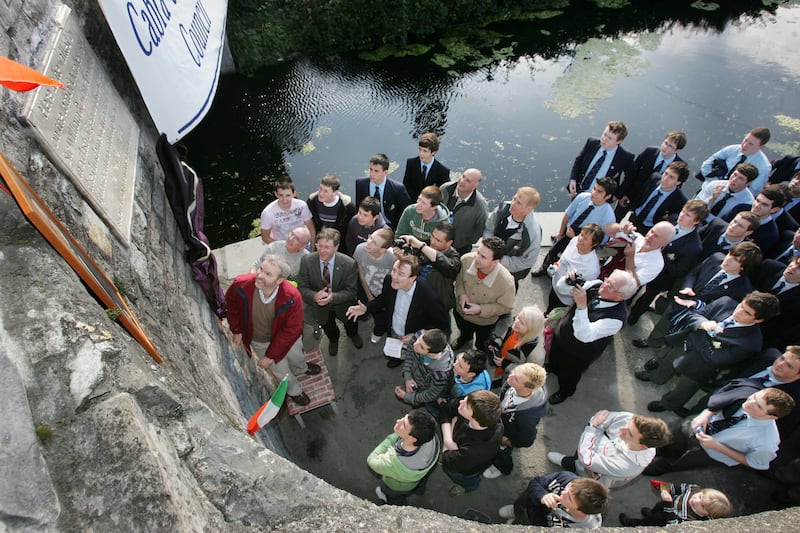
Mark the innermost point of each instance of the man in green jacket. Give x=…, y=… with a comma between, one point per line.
x=405, y=457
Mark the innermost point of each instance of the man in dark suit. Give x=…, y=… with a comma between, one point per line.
x=391, y=194
x=327, y=280
x=784, y=169
x=787, y=248
x=406, y=305
x=789, y=218
x=721, y=237
x=652, y=160
x=784, y=282
x=599, y=158
x=661, y=199
x=424, y=169
x=680, y=255
x=767, y=205
x=720, y=336
x=717, y=276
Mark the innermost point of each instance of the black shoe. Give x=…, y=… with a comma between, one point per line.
x=394, y=363
x=626, y=520
x=460, y=343
x=651, y=364
x=301, y=399
x=538, y=273
x=333, y=347
x=357, y=341
x=557, y=398
x=313, y=369
x=656, y=407
x=642, y=375
x=640, y=343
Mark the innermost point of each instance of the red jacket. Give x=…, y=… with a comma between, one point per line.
x=287, y=326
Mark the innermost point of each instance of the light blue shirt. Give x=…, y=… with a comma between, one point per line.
x=602, y=215
x=745, y=196
x=732, y=154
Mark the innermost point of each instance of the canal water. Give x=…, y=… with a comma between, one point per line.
x=521, y=117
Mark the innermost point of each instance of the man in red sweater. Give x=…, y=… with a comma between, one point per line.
x=265, y=313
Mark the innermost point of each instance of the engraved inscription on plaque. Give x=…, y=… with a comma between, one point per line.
x=87, y=130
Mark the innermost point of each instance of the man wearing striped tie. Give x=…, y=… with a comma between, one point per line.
x=721, y=336
x=741, y=433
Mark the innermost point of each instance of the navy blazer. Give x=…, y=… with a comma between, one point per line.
x=622, y=164
x=425, y=312
x=703, y=356
x=681, y=255
x=710, y=235
x=783, y=169
x=765, y=236
x=669, y=208
x=635, y=184
x=699, y=276
x=438, y=175
x=395, y=198
x=764, y=279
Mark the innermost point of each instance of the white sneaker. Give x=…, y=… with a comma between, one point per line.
x=375, y=339
x=492, y=473
x=380, y=494
x=506, y=512
x=555, y=457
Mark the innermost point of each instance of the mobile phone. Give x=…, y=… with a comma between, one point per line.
x=699, y=430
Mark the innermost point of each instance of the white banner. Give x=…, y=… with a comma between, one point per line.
x=174, y=49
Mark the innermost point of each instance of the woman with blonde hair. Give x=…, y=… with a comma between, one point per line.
x=522, y=343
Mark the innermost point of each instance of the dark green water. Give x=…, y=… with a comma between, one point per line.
x=521, y=119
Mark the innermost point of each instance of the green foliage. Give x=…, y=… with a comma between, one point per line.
x=256, y=231
x=44, y=433
x=113, y=313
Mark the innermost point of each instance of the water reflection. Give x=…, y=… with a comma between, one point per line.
x=520, y=120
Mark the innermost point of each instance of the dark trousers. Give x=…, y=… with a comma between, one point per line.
x=470, y=482
x=518, y=276
x=332, y=330
x=555, y=251
x=482, y=334
x=652, y=289
x=681, y=393
x=568, y=367
x=683, y=453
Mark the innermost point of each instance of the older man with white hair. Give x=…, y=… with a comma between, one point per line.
x=585, y=331
x=643, y=256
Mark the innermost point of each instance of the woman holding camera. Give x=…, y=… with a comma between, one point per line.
x=579, y=260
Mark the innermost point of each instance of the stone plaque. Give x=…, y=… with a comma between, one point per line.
x=86, y=129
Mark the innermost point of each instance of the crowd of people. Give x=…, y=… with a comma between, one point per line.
x=721, y=267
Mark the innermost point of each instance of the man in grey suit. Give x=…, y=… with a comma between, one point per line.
x=327, y=280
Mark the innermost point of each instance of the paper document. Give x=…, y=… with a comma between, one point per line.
x=392, y=347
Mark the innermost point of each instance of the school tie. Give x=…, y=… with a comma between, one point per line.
x=326, y=274
x=741, y=160
x=651, y=203
x=714, y=282
x=576, y=226
x=723, y=424
x=424, y=172
x=778, y=287
x=720, y=204
x=728, y=322
x=377, y=194
x=587, y=180
x=659, y=166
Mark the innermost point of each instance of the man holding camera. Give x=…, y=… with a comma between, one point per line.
x=585, y=331
x=440, y=261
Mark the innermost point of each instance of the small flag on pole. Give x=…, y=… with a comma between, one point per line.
x=270, y=409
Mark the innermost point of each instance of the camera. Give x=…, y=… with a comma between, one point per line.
x=575, y=281
x=406, y=247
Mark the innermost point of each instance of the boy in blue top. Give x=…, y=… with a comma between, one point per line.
x=469, y=373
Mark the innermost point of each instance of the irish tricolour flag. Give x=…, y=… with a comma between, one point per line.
x=270, y=409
